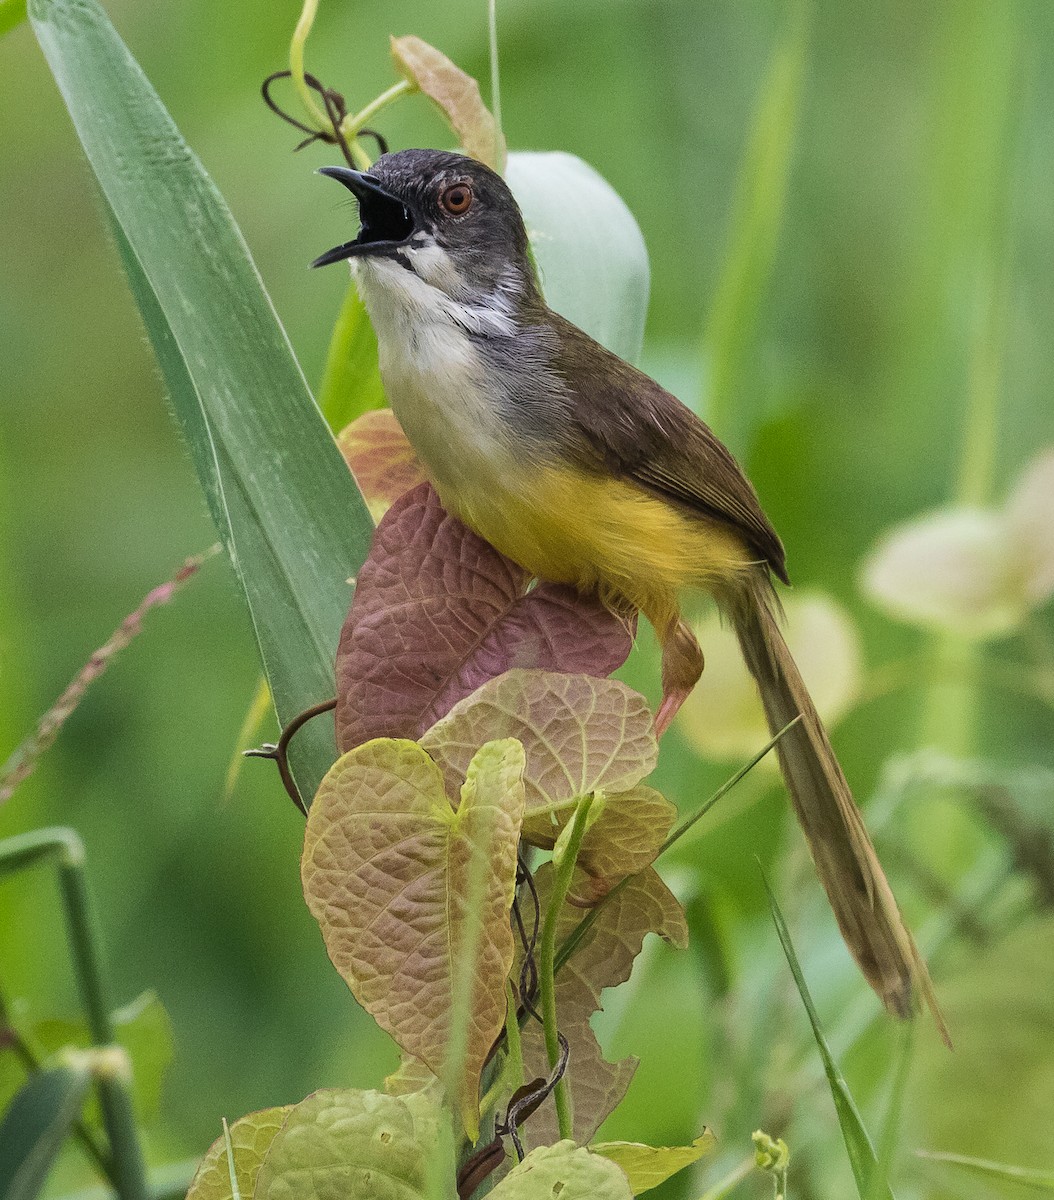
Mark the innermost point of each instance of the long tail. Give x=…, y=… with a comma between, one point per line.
x=841, y=849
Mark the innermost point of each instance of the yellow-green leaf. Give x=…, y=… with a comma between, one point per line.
x=647, y=1166
x=457, y=95
x=251, y=1137
x=565, y=1170
x=360, y=1146
x=413, y=897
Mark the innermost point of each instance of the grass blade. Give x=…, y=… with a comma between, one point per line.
x=287, y=509
x=857, y=1142
x=1029, y=1177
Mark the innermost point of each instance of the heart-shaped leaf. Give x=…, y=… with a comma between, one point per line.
x=413, y=897
x=352, y=1144
x=566, y=1171
x=251, y=1137
x=579, y=734
x=437, y=611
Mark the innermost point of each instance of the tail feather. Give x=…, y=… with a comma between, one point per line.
x=841, y=849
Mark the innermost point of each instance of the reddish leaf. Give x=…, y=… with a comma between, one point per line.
x=381, y=459
x=437, y=612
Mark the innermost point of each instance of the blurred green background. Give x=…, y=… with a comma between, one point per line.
x=889, y=270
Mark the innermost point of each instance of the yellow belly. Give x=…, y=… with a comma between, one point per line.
x=602, y=534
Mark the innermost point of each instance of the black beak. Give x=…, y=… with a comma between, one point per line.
x=386, y=222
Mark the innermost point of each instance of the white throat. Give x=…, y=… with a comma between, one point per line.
x=433, y=373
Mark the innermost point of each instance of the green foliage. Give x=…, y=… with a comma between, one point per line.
x=249, y=1139
x=292, y=521
x=36, y=1124
x=565, y=1170
x=647, y=1166
x=353, y=1143
x=857, y=1141
x=854, y=323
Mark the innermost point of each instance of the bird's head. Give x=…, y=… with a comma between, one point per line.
x=447, y=219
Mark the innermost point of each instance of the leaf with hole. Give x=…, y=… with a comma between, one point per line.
x=604, y=959
x=350, y=1143
x=564, y=1171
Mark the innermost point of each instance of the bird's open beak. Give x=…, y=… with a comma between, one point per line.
x=386, y=221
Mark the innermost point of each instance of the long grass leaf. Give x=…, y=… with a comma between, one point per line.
x=1027, y=1177
x=287, y=509
x=857, y=1141
x=731, y=327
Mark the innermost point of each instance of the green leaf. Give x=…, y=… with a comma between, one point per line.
x=251, y=1137
x=857, y=1141
x=359, y=1146
x=647, y=1166
x=143, y=1028
x=566, y=1171
x=35, y=1126
x=589, y=250
x=12, y=14
x=413, y=898
x=288, y=511
x=351, y=383
x=1038, y=1181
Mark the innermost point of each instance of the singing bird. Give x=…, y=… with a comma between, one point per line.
x=584, y=471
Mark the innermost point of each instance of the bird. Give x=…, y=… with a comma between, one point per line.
x=585, y=471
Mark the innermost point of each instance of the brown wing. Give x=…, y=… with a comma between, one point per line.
x=640, y=431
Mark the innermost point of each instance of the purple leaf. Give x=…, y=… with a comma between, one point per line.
x=438, y=611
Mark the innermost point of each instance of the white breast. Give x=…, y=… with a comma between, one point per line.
x=434, y=378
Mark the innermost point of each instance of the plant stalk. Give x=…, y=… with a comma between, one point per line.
x=562, y=875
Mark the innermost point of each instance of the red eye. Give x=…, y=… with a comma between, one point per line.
x=456, y=199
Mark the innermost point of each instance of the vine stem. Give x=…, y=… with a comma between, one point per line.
x=296, y=64
x=350, y=126
x=564, y=859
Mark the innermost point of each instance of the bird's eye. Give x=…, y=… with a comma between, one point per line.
x=456, y=199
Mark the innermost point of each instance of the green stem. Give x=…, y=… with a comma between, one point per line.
x=495, y=79
x=564, y=860
x=30, y=1062
x=30, y=849
x=513, y=1073
x=350, y=126
x=735, y=1176
x=296, y=64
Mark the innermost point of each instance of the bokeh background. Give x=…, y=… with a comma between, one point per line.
x=848, y=211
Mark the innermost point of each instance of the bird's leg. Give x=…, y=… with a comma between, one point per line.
x=682, y=664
